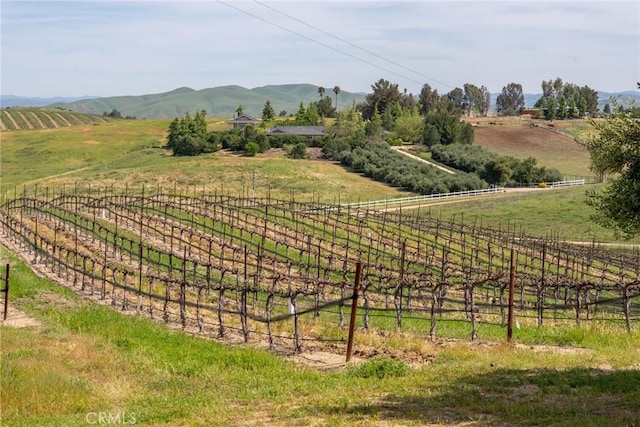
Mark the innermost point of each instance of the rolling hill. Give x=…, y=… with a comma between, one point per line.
x=28, y=118
x=216, y=101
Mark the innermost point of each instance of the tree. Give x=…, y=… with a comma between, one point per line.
x=325, y=107
x=252, y=148
x=268, y=113
x=486, y=103
x=301, y=113
x=616, y=150
x=578, y=101
x=188, y=136
x=552, y=109
x=456, y=98
x=114, y=113
x=442, y=126
x=562, y=108
x=373, y=128
x=428, y=99
x=511, y=100
x=298, y=151
x=348, y=122
x=336, y=90
x=321, y=91
x=498, y=170
x=385, y=94
x=474, y=97
x=409, y=126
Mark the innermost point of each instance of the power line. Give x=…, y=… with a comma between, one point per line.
x=353, y=44
x=320, y=43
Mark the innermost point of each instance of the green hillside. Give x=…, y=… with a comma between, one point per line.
x=33, y=118
x=216, y=101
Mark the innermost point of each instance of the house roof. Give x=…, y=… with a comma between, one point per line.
x=297, y=130
x=245, y=118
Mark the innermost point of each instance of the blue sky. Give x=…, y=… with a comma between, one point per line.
x=77, y=48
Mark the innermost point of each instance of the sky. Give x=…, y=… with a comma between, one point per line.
x=113, y=48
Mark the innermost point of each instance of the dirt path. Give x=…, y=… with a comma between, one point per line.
x=403, y=150
x=24, y=119
x=13, y=122
x=19, y=319
x=66, y=122
x=35, y=116
x=57, y=175
x=53, y=122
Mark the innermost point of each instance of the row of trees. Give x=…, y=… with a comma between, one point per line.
x=494, y=169
x=322, y=108
x=377, y=161
x=566, y=100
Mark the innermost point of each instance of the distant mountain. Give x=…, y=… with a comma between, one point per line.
x=224, y=100
x=217, y=101
x=24, y=101
x=623, y=99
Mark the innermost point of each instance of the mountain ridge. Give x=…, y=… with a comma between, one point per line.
x=224, y=100
x=216, y=101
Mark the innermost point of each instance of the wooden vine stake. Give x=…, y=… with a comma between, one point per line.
x=354, y=307
x=512, y=277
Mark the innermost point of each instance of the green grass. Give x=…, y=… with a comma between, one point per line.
x=88, y=359
x=128, y=154
x=560, y=212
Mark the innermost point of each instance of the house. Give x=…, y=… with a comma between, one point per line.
x=309, y=131
x=238, y=122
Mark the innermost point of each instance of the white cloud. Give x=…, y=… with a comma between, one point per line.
x=108, y=48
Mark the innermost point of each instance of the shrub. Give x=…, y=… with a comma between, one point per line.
x=252, y=149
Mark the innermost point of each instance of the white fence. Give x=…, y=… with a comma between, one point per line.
x=416, y=199
x=567, y=183
x=471, y=193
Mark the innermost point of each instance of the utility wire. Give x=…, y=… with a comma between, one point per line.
x=320, y=43
x=353, y=45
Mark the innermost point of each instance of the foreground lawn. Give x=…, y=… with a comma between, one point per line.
x=86, y=360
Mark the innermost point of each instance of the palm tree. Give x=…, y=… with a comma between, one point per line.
x=321, y=91
x=336, y=90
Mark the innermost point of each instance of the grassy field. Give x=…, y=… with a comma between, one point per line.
x=87, y=361
x=552, y=213
x=128, y=153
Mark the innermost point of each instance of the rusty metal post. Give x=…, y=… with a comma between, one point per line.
x=354, y=307
x=512, y=276
x=6, y=293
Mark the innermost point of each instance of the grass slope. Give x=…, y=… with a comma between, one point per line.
x=217, y=101
x=86, y=360
x=129, y=153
